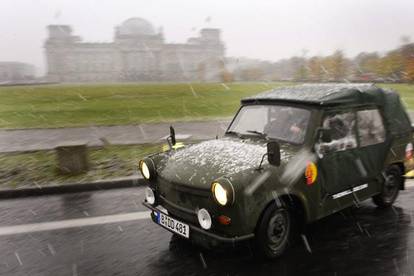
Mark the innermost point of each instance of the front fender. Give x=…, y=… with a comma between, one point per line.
x=273, y=191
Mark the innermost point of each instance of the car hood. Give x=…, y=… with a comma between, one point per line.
x=200, y=164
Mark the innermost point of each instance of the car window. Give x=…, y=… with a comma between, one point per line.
x=370, y=127
x=284, y=123
x=342, y=129
x=250, y=118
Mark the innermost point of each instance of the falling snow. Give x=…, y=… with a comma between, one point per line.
x=18, y=258
x=257, y=182
x=296, y=166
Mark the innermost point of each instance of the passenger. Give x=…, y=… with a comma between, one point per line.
x=341, y=133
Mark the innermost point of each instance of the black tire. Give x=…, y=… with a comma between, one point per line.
x=274, y=232
x=390, y=188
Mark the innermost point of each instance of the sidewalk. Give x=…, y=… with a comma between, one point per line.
x=46, y=139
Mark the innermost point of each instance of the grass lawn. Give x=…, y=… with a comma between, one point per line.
x=114, y=104
x=406, y=92
x=39, y=168
x=117, y=104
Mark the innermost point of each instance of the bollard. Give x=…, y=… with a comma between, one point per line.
x=72, y=158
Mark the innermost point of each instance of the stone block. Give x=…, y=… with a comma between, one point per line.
x=72, y=158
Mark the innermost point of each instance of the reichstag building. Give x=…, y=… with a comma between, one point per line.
x=137, y=53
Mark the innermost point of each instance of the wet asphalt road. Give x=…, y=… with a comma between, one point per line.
x=358, y=241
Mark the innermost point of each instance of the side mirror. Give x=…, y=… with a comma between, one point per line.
x=325, y=135
x=172, y=136
x=273, y=153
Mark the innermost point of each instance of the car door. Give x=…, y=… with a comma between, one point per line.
x=337, y=161
x=372, y=146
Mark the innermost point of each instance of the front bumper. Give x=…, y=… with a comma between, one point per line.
x=203, y=237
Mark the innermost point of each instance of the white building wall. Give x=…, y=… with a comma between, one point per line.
x=133, y=57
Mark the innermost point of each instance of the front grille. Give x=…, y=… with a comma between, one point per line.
x=183, y=201
x=178, y=211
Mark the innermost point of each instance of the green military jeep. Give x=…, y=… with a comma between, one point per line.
x=289, y=157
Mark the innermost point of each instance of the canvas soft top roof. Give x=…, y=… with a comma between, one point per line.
x=322, y=94
x=333, y=94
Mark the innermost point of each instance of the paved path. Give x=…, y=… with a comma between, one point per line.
x=44, y=139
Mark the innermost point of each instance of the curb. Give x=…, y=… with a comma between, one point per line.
x=72, y=188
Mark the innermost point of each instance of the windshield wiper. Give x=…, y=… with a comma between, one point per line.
x=233, y=133
x=264, y=135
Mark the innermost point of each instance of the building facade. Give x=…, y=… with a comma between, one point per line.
x=138, y=53
x=16, y=71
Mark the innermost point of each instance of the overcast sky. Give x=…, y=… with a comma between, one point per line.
x=264, y=29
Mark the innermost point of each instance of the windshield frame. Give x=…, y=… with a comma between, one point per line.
x=264, y=103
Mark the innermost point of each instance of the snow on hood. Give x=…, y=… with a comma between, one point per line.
x=209, y=160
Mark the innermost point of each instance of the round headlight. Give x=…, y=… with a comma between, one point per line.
x=144, y=170
x=147, y=169
x=223, y=192
x=149, y=196
x=220, y=194
x=204, y=219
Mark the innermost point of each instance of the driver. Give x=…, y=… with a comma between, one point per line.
x=287, y=126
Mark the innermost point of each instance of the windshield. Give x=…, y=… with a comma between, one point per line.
x=273, y=121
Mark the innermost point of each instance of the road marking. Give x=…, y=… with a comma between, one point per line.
x=72, y=223
x=409, y=183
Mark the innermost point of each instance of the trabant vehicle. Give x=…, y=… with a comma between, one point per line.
x=290, y=156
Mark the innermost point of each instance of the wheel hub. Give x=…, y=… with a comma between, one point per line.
x=277, y=230
x=390, y=186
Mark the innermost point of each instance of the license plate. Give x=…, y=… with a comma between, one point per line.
x=173, y=225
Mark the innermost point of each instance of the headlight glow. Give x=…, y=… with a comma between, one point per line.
x=147, y=169
x=220, y=194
